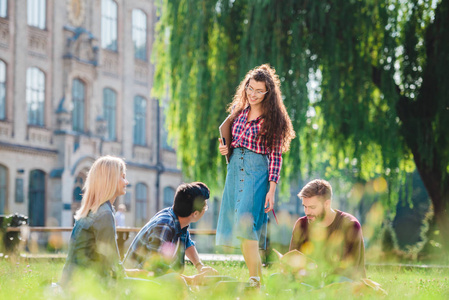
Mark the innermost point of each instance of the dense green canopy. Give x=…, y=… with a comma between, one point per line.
x=364, y=83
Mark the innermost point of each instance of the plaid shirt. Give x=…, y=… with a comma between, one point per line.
x=161, y=235
x=246, y=134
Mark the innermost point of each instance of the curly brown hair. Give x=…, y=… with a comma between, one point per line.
x=277, y=124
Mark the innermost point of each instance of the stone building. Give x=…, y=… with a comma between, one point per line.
x=75, y=84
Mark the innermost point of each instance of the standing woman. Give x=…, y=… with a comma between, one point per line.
x=93, y=243
x=261, y=132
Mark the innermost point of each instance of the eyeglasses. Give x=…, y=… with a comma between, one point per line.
x=251, y=90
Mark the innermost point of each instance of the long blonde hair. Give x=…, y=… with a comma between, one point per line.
x=101, y=184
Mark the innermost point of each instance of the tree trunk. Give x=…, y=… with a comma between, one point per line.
x=442, y=219
x=416, y=126
x=420, y=126
x=439, y=194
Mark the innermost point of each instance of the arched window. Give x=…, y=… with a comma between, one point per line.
x=78, y=189
x=139, y=34
x=3, y=188
x=110, y=112
x=2, y=90
x=141, y=204
x=78, y=192
x=78, y=96
x=36, y=198
x=169, y=195
x=3, y=8
x=37, y=13
x=109, y=25
x=140, y=121
x=35, y=96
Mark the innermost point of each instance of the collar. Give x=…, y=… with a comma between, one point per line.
x=246, y=112
x=108, y=204
x=178, y=228
x=337, y=214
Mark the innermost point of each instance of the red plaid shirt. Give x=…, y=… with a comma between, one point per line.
x=245, y=134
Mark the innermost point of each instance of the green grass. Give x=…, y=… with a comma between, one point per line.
x=31, y=280
x=412, y=283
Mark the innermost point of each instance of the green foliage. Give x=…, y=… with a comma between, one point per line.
x=212, y=44
x=364, y=82
x=389, y=240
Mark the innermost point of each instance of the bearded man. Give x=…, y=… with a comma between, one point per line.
x=329, y=236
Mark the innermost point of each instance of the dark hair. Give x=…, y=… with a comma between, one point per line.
x=190, y=197
x=317, y=187
x=277, y=124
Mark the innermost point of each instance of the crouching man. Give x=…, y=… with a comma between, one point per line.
x=160, y=246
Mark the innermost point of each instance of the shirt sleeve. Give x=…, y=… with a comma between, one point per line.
x=106, y=243
x=295, y=242
x=275, y=163
x=355, y=250
x=189, y=242
x=159, y=237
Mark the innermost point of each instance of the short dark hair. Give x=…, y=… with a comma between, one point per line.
x=317, y=187
x=190, y=197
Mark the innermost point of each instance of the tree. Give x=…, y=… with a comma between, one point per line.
x=364, y=83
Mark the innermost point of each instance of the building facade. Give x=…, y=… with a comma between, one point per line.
x=75, y=84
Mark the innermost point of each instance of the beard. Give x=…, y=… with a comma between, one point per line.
x=316, y=218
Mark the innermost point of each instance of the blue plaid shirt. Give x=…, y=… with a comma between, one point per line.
x=162, y=236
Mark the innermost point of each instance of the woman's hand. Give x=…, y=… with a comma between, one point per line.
x=269, y=199
x=223, y=148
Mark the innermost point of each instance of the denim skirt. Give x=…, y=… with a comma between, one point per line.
x=242, y=213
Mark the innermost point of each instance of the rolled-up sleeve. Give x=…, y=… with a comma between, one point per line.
x=189, y=242
x=275, y=163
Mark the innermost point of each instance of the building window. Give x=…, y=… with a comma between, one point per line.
x=110, y=112
x=169, y=196
x=35, y=96
x=2, y=90
x=3, y=8
x=78, y=192
x=109, y=25
x=140, y=34
x=141, y=204
x=3, y=188
x=36, y=196
x=78, y=95
x=36, y=13
x=140, y=120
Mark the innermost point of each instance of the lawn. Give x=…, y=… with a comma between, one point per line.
x=31, y=280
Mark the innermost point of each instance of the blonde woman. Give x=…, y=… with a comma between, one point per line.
x=93, y=242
